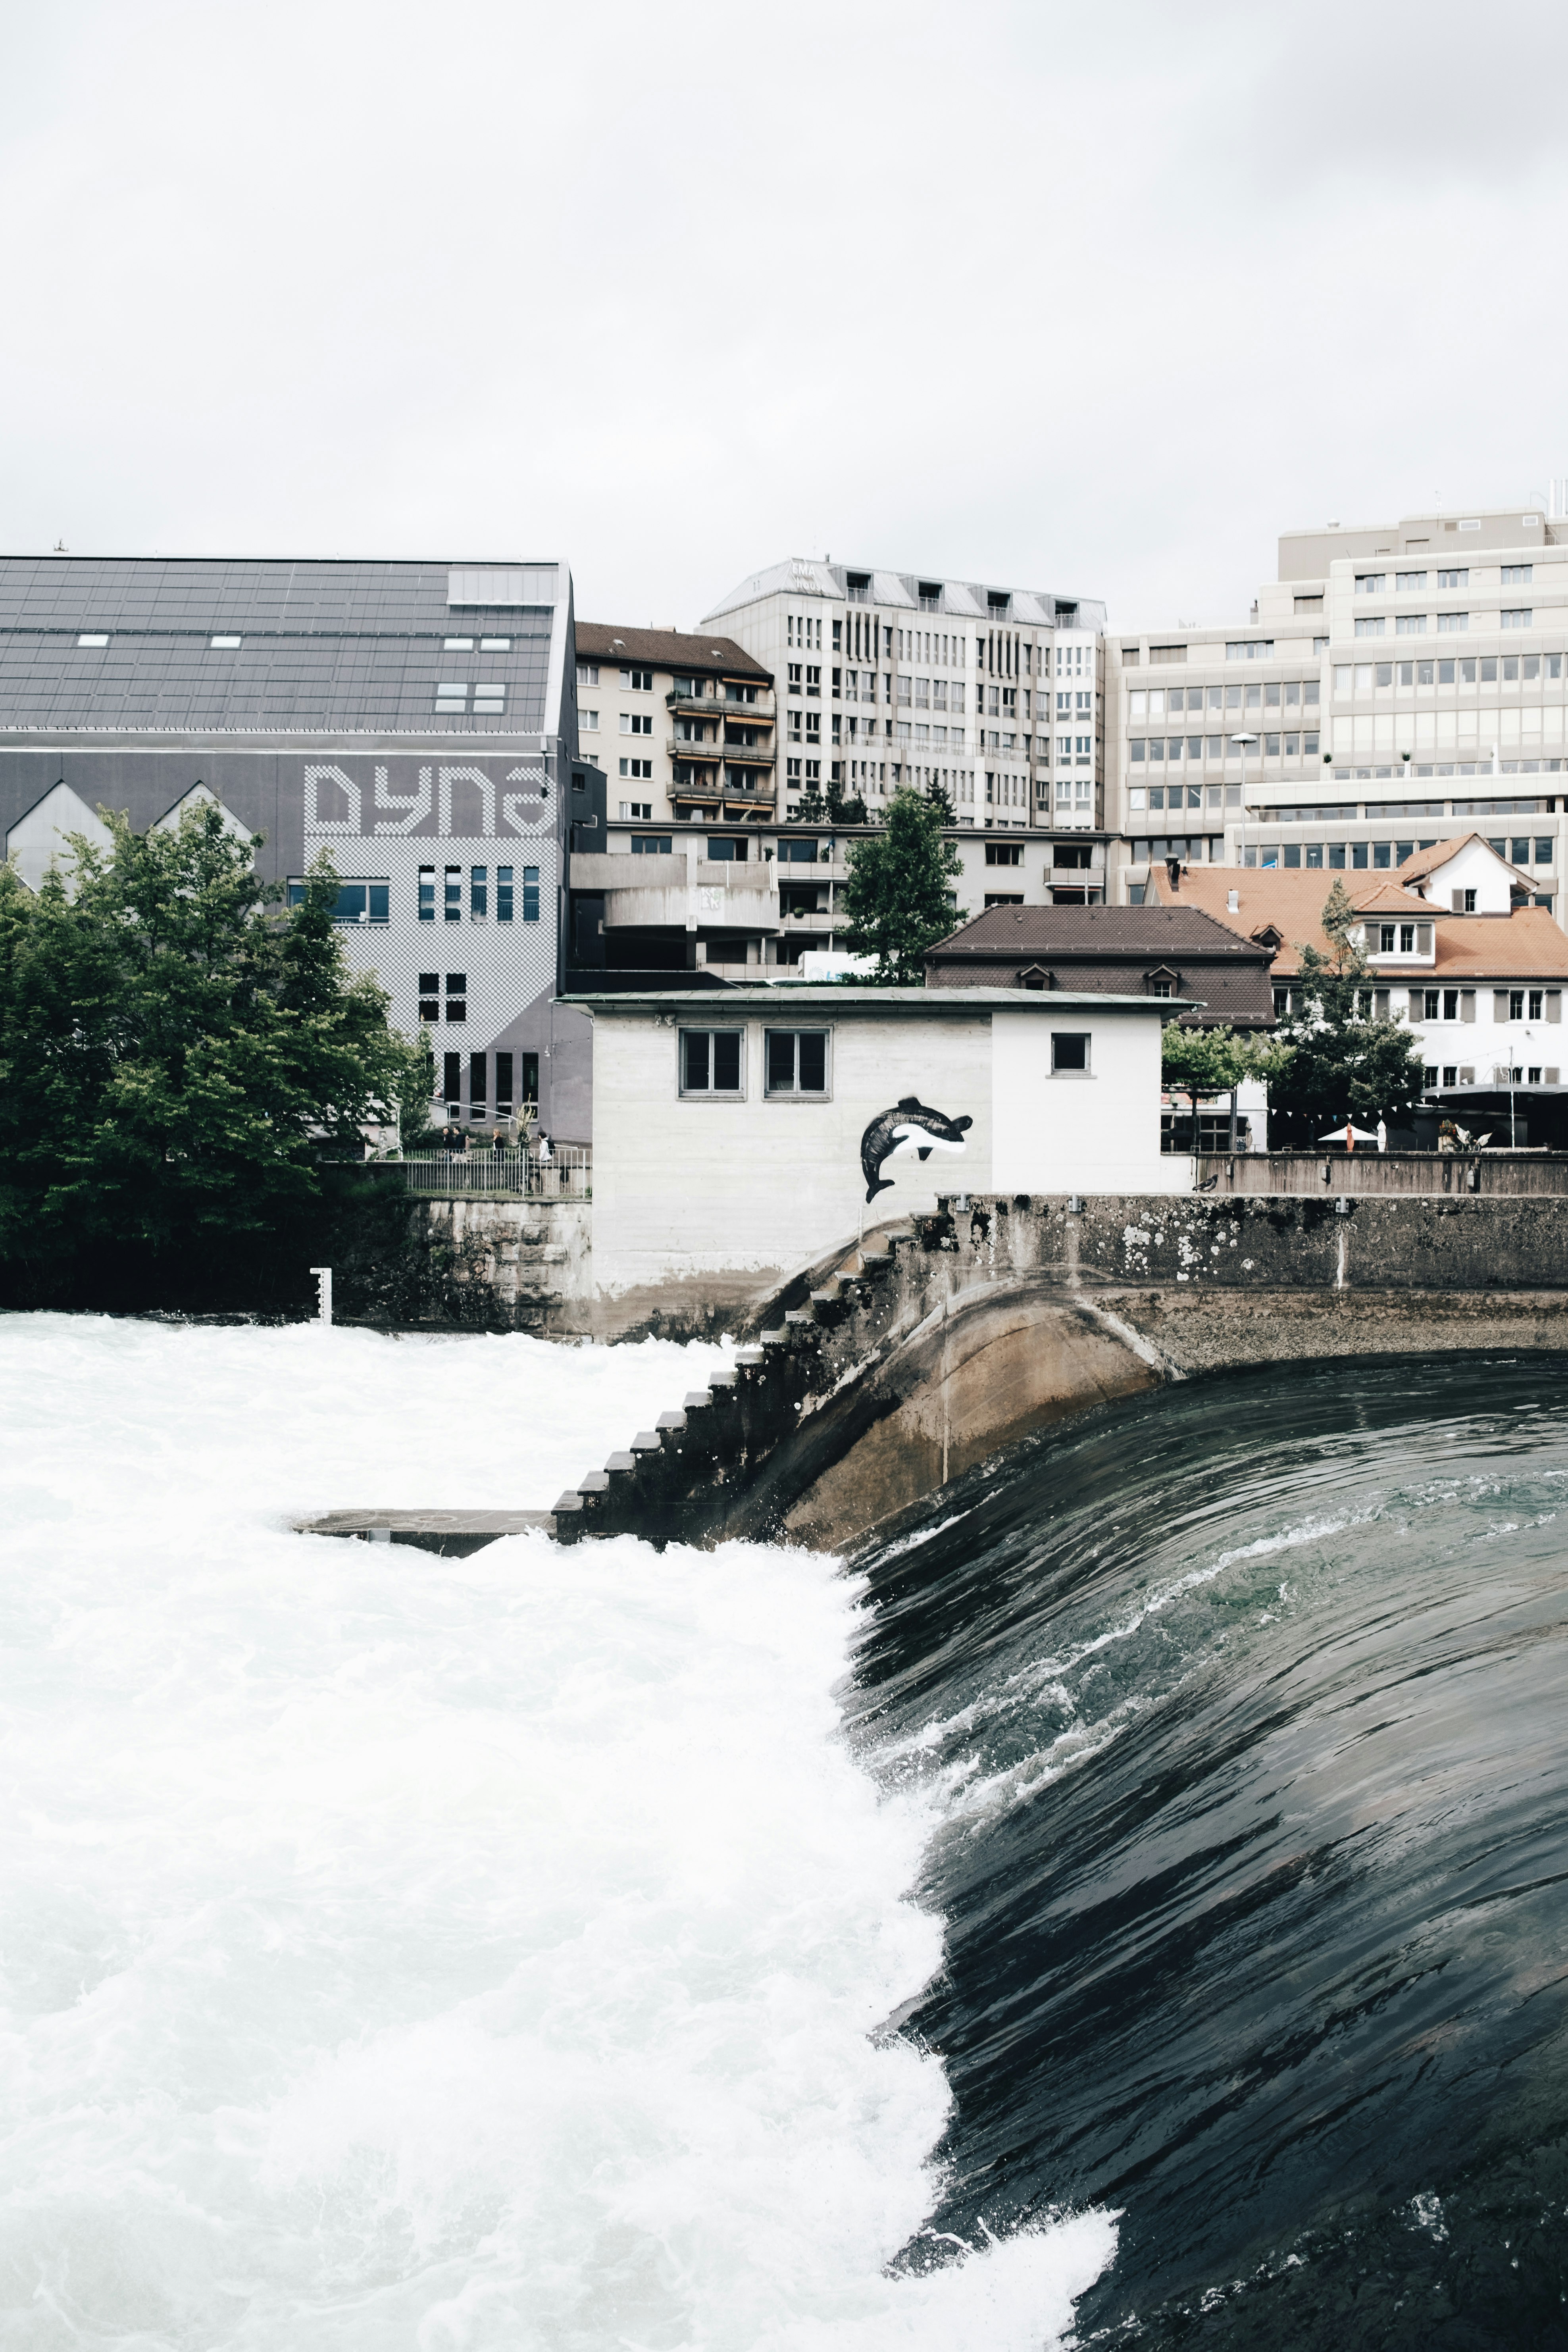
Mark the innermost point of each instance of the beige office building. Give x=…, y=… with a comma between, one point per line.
x=1396, y=684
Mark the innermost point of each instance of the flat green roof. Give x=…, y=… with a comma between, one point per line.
x=717, y=1000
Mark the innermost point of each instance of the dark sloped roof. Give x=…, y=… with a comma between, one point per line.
x=1113, y=952
x=675, y=649
x=1138, y=931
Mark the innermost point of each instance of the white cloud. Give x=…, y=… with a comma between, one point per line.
x=1086, y=300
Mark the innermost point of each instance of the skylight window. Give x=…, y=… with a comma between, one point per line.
x=223, y=644
x=458, y=646
x=495, y=645
x=453, y=695
x=491, y=697
x=92, y=641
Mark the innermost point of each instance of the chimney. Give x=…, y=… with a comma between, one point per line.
x=1233, y=902
x=1174, y=872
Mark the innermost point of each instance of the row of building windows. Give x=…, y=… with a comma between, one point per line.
x=1454, y=1073
x=1269, y=694
x=1375, y=583
x=1192, y=847
x=1464, y=670
x=1414, y=625
x=1175, y=797
x=794, y=1062
x=1245, y=649
x=797, y=1063
x=478, y=1083
x=1221, y=747
x=476, y=881
x=97, y=638
x=1376, y=856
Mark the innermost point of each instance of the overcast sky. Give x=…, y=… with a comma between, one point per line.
x=1087, y=298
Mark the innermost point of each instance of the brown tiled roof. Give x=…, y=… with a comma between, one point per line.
x=1527, y=942
x=1111, y=951
x=672, y=649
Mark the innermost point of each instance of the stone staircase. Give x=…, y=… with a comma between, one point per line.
x=685, y=1478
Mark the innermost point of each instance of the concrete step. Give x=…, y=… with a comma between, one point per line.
x=452, y=1534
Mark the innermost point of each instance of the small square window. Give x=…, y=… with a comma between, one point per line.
x=711, y=1061
x=1070, y=1053
x=796, y=1062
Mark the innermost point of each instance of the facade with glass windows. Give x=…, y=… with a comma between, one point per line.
x=414, y=722
x=992, y=696
x=1395, y=686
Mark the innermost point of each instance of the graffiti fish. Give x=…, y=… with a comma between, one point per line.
x=910, y=1127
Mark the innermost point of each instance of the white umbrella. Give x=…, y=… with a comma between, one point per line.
x=1339, y=1134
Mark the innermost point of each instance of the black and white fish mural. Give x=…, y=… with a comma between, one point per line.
x=910, y=1129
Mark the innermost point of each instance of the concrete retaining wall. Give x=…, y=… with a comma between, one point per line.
x=873, y=1381
x=1365, y=1172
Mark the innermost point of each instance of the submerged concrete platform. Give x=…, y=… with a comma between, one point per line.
x=452, y=1534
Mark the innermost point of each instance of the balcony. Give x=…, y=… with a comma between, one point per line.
x=682, y=747
x=756, y=755
x=677, y=893
x=750, y=799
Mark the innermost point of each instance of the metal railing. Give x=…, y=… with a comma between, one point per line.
x=566, y=1175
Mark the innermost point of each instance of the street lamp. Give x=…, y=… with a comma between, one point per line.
x=1241, y=742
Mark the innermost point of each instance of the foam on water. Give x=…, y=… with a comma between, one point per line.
x=413, y=1953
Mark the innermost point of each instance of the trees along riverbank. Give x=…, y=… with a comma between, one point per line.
x=182, y=1061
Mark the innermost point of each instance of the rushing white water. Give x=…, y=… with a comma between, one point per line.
x=402, y=1954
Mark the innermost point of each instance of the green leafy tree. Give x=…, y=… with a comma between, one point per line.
x=1212, y=1061
x=178, y=1060
x=899, y=901
x=843, y=809
x=1344, y=1063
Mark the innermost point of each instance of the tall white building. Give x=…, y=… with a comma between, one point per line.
x=1398, y=684
x=883, y=679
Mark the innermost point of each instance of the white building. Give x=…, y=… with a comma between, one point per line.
x=1393, y=685
x=992, y=695
x=744, y=1133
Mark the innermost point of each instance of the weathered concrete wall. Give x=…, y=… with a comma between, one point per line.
x=525, y=1266
x=1321, y=1173
x=1401, y=1242
x=875, y=1381
x=530, y=1266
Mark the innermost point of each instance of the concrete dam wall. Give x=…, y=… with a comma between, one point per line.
x=873, y=1379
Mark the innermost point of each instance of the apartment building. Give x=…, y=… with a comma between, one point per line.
x=1394, y=685
x=683, y=725
x=994, y=695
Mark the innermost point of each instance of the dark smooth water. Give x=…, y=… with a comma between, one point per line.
x=1245, y=1712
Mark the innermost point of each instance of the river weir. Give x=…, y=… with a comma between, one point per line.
x=1125, y=1905
x=1243, y=1708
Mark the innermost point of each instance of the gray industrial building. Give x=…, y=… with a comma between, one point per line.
x=417, y=721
